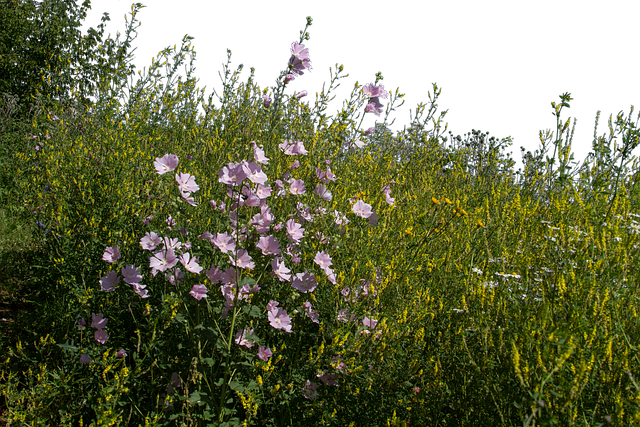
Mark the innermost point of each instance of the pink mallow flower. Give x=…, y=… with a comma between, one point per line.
x=304, y=282
x=269, y=245
x=131, y=274
x=224, y=242
x=150, y=241
x=362, y=209
x=198, y=292
x=292, y=148
x=241, y=340
x=311, y=314
x=101, y=336
x=111, y=254
x=300, y=59
x=98, y=321
x=163, y=260
x=109, y=282
x=264, y=353
x=166, y=163
x=297, y=187
x=323, y=260
x=301, y=94
x=280, y=270
x=243, y=260
x=279, y=319
x=310, y=390
x=295, y=232
x=190, y=264
x=258, y=153
x=187, y=183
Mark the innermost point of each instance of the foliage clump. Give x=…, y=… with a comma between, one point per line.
x=262, y=263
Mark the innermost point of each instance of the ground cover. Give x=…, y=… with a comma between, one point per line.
x=167, y=261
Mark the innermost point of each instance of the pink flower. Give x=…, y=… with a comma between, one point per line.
x=163, y=260
x=198, y=292
x=374, y=107
x=304, y=282
x=288, y=78
x=299, y=60
x=241, y=340
x=166, y=163
x=85, y=359
x=323, y=260
x=345, y=316
x=311, y=314
x=362, y=209
x=297, y=187
x=321, y=190
x=292, y=148
x=243, y=260
x=375, y=91
x=150, y=241
x=370, y=323
x=263, y=191
x=280, y=270
x=351, y=146
x=255, y=174
x=266, y=100
x=186, y=183
x=172, y=243
x=328, y=379
x=140, y=290
x=189, y=264
x=111, y=254
x=272, y=305
x=101, y=336
x=232, y=174
x=279, y=319
x=301, y=94
x=175, y=277
x=121, y=353
x=98, y=321
x=131, y=274
x=310, y=390
x=224, y=242
x=269, y=245
x=294, y=231
x=258, y=153
x=175, y=380
x=264, y=353
x=109, y=282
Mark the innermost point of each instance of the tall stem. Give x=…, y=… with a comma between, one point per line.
x=223, y=394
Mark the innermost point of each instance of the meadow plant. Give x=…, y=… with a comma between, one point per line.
x=261, y=263
x=303, y=282
x=249, y=251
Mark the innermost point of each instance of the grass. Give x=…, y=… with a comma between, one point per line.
x=512, y=309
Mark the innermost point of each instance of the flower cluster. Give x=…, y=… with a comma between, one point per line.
x=247, y=185
x=374, y=93
x=298, y=62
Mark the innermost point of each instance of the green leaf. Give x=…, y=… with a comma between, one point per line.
x=194, y=397
x=246, y=280
x=255, y=311
x=68, y=347
x=208, y=361
x=236, y=386
x=252, y=385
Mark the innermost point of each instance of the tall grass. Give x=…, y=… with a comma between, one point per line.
x=473, y=295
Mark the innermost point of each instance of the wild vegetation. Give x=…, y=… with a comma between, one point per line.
x=248, y=259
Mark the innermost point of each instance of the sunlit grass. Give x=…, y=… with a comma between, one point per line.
x=499, y=309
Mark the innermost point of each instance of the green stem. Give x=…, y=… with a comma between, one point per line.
x=223, y=394
x=295, y=357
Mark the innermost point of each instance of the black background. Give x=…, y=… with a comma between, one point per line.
x=497, y=73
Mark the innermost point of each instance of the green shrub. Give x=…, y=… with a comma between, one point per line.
x=459, y=292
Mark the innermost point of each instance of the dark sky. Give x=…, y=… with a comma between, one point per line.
x=496, y=74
